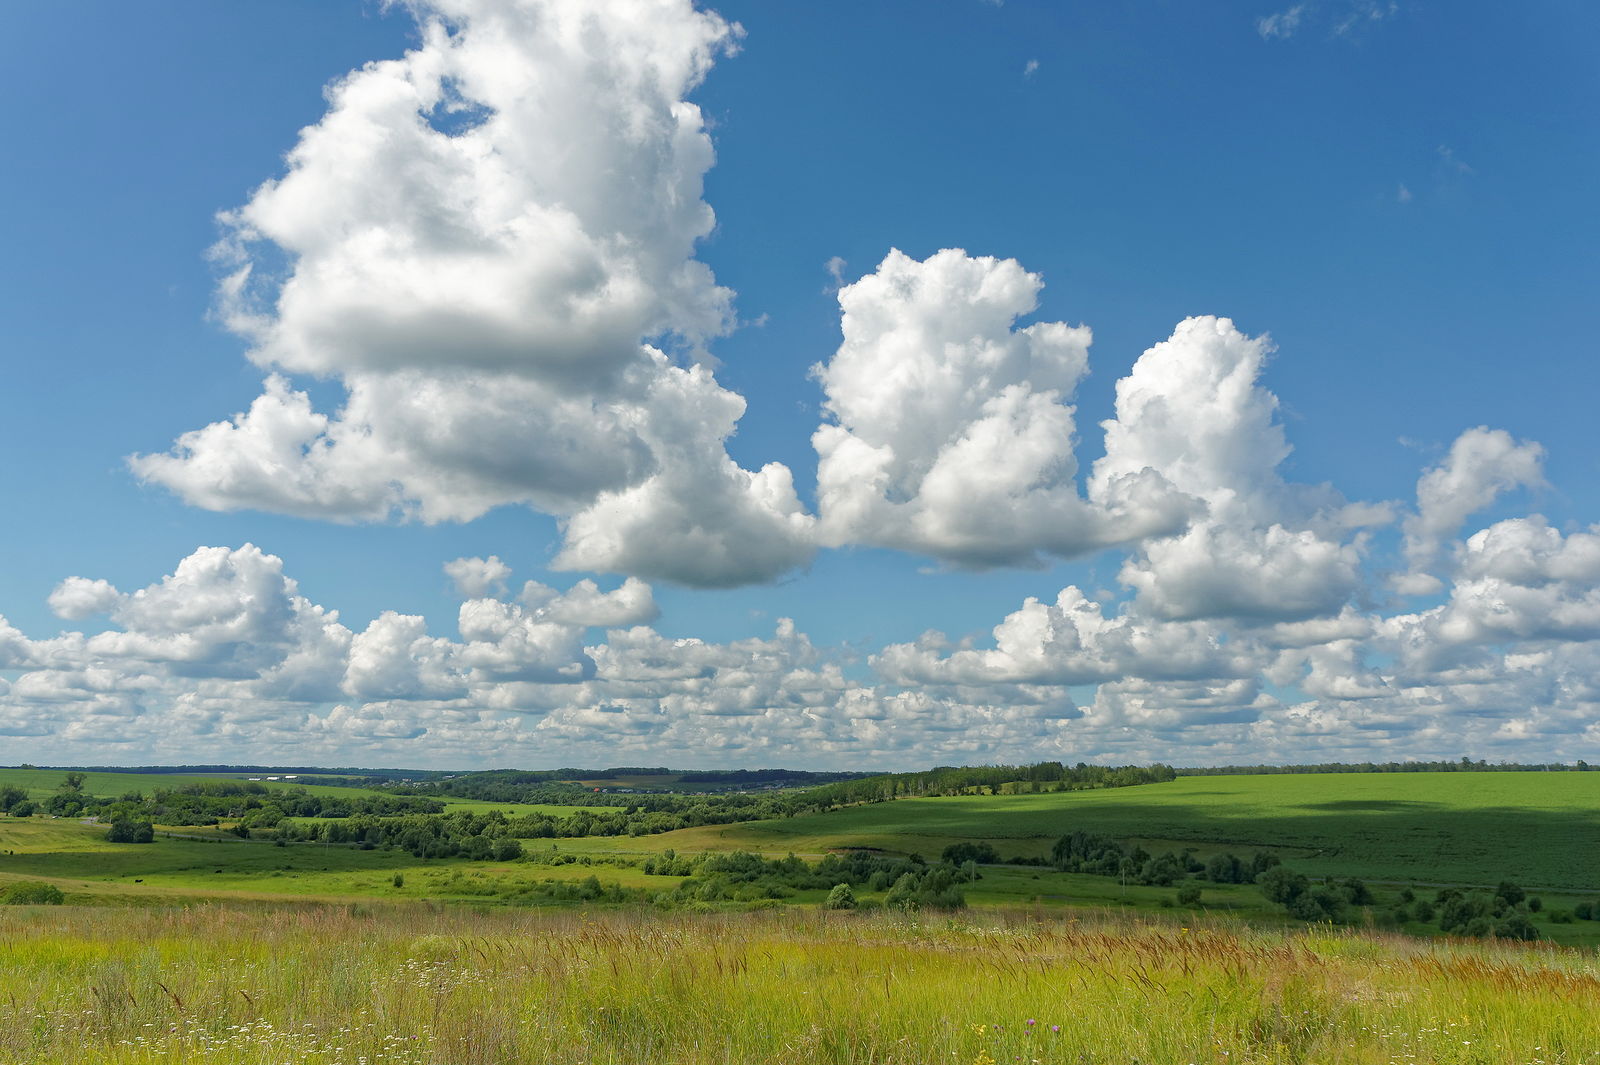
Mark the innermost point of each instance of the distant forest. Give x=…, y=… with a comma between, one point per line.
x=1465, y=765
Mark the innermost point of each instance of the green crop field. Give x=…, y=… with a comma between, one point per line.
x=1542, y=829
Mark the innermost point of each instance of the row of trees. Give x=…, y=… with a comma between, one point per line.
x=991, y=780
x=208, y=802
x=1464, y=765
x=830, y=790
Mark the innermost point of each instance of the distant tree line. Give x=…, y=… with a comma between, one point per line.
x=210, y=802
x=986, y=780
x=1464, y=765
x=765, y=778
x=570, y=786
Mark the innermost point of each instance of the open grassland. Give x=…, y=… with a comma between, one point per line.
x=253, y=986
x=1541, y=829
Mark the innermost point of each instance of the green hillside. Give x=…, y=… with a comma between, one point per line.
x=1542, y=829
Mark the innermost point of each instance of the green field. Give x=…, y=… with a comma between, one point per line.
x=1541, y=829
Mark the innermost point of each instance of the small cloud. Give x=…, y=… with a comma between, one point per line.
x=1403, y=195
x=1363, y=13
x=994, y=3
x=1030, y=68
x=835, y=267
x=1281, y=25
x=476, y=578
x=1453, y=163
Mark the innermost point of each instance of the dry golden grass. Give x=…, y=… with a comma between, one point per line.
x=412, y=985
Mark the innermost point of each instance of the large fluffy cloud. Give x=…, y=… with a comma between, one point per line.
x=1193, y=413
x=952, y=432
x=489, y=242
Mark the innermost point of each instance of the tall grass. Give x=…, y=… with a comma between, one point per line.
x=411, y=985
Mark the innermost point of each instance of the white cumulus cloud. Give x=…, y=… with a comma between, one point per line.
x=952, y=434
x=489, y=242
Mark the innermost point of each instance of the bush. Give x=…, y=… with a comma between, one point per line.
x=1510, y=892
x=1583, y=911
x=1282, y=885
x=1518, y=926
x=32, y=894
x=1228, y=869
x=982, y=853
x=840, y=898
x=398, y=880
x=131, y=832
x=1189, y=895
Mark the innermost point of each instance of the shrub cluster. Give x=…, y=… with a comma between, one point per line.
x=1330, y=900
x=1090, y=852
x=15, y=801
x=31, y=894
x=908, y=883
x=126, y=831
x=1504, y=912
x=485, y=836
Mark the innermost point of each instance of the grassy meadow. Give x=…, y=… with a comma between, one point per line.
x=201, y=946
x=258, y=986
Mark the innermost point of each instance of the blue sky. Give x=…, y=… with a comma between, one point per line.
x=1397, y=194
